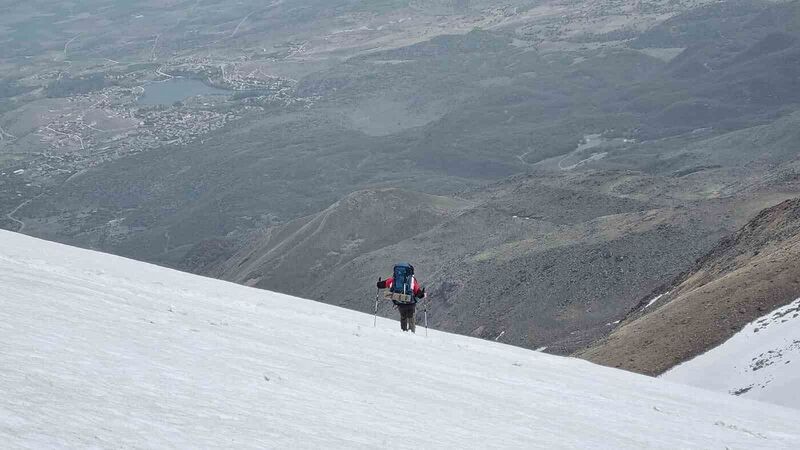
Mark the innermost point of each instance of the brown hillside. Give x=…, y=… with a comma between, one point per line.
x=748, y=274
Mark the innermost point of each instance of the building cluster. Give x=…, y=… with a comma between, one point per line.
x=74, y=141
x=88, y=129
x=178, y=126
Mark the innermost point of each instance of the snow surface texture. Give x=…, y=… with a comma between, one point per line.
x=100, y=351
x=761, y=362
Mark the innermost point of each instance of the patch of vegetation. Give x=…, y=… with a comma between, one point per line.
x=622, y=34
x=11, y=88
x=67, y=86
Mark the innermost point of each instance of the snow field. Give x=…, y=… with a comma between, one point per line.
x=761, y=362
x=104, y=352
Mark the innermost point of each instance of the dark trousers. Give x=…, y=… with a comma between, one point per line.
x=407, y=319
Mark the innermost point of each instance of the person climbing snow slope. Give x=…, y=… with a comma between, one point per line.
x=404, y=291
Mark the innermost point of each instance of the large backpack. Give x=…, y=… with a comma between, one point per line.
x=403, y=275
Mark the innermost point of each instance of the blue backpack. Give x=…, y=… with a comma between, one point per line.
x=403, y=275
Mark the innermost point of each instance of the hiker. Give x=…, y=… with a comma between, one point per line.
x=404, y=291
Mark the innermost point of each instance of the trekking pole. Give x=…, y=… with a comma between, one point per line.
x=426, y=317
x=377, y=294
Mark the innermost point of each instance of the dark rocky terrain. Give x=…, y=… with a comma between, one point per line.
x=296, y=255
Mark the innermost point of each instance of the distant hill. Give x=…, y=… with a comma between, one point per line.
x=294, y=256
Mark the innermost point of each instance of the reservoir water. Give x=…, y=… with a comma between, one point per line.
x=177, y=89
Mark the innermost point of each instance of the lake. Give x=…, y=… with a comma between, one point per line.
x=177, y=89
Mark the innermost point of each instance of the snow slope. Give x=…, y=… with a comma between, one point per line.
x=100, y=351
x=761, y=362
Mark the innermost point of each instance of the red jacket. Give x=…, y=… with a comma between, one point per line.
x=415, y=287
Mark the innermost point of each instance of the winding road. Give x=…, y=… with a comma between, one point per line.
x=20, y=206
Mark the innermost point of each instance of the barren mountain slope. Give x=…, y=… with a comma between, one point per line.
x=544, y=259
x=744, y=277
x=290, y=257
